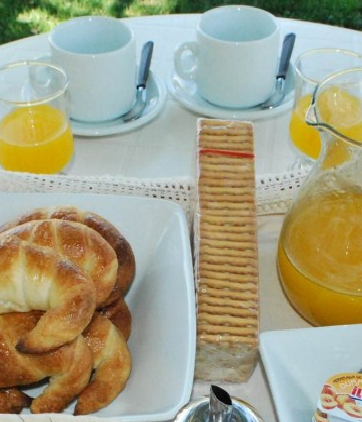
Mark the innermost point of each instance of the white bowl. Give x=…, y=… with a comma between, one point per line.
x=161, y=300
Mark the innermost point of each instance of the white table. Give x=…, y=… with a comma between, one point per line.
x=164, y=149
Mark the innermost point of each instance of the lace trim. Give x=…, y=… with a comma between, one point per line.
x=274, y=193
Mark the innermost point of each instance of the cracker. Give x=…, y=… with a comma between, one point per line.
x=226, y=252
x=212, y=305
x=230, y=252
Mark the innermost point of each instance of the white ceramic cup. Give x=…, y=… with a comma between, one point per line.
x=98, y=54
x=234, y=58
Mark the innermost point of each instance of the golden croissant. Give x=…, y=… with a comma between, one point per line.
x=126, y=259
x=13, y=400
x=69, y=367
x=36, y=278
x=81, y=244
x=112, y=364
x=119, y=314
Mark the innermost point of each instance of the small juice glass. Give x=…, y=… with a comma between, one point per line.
x=310, y=68
x=35, y=133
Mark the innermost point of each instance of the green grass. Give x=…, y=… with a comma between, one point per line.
x=23, y=18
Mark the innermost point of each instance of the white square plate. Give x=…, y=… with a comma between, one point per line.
x=298, y=362
x=161, y=300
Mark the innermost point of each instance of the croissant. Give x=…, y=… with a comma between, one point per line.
x=126, y=259
x=69, y=367
x=13, y=400
x=35, y=278
x=81, y=244
x=119, y=314
x=124, y=252
x=112, y=364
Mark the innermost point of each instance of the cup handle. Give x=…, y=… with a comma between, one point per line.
x=188, y=72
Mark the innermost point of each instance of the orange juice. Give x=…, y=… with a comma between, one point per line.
x=304, y=137
x=320, y=259
x=35, y=139
x=337, y=107
x=342, y=111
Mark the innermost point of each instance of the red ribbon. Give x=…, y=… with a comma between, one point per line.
x=228, y=153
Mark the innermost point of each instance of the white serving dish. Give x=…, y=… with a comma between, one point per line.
x=298, y=362
x=161, y=300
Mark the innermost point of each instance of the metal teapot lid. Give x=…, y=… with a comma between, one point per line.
x=218, y=407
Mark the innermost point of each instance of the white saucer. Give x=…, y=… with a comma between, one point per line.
x=185, y=92
x=156, y=96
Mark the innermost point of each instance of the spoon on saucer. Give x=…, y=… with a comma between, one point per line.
x=279, y=93
x=141, y=98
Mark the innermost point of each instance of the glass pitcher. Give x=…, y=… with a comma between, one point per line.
x=320, y=244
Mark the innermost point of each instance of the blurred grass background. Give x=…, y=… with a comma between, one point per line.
x=23, y=18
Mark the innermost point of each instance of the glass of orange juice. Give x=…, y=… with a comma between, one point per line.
x=310, y=68
x=320, y=244
x=35, y=133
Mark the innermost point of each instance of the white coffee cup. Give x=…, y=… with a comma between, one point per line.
x=234, y=58
x=98, y=53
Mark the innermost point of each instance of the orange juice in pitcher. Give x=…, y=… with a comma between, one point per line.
x=320, y=244
x=319, y=259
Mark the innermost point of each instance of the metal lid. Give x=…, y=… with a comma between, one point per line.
x=218, y=407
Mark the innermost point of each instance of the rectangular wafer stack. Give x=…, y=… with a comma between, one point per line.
x=226, y=252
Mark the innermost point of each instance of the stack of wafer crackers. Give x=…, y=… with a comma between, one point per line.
x=226, y=252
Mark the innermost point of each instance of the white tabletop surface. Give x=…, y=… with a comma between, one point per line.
x=164, y=148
